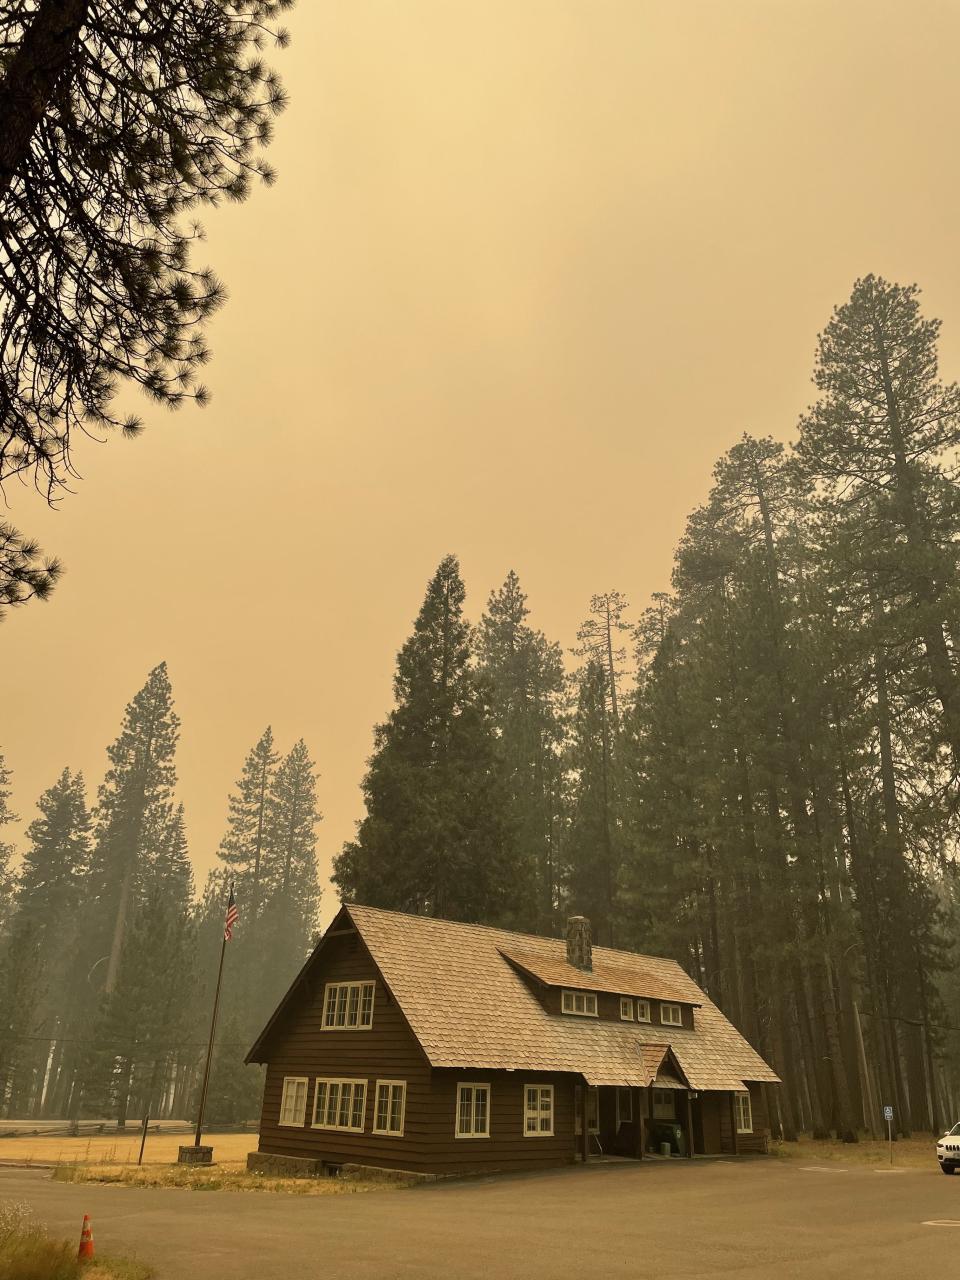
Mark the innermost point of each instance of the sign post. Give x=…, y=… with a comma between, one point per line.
x=888, y=1116
x=143, y=1140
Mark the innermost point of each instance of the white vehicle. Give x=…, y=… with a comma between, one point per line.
x=948, y=1150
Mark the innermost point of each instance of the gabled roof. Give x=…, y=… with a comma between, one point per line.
x=469, y=1008
x=604, y=976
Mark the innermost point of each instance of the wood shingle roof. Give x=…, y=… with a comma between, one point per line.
x=469, y=1008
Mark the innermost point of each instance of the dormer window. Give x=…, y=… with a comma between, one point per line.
x=626, y=1009
x=670, y=1015
x=643, y=1010
x=583, y=1003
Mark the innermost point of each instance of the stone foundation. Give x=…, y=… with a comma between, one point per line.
x=384, y=1175
x=283, y=1166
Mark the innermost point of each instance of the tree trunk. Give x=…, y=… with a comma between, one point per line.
x=43, y=57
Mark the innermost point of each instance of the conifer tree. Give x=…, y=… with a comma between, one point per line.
x=133, y=811
x=24, y=574
x=114, y=124
x=435, y=838
x=144, y=1016
x=242, y=848
x=6, y=850
x=291, y=886
x=879, y=438
x=594, y=844
x=598, y=639
x=524, y=676
x=36, y=966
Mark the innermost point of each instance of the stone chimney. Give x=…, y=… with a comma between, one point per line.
x=579, y=948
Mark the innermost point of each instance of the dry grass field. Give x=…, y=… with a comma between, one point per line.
x=229, y=1149
x=110, y=1158
x=908, y=1153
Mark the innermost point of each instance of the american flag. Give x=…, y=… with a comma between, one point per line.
x=231, y=918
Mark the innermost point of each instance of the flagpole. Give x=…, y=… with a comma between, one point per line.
x=213, y=1029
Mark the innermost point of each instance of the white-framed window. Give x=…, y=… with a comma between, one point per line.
x=624, y=1106
x=744, y=1112
x=293, y=1100
x=391, y=1103
x=538, y=1110
x=626, y=1009
x=582, y=1002
x=643, y=1010
x=473, y=1111
x=339, y=1104
x=663, y=1104
x=348, y=1005
x=670, y=1015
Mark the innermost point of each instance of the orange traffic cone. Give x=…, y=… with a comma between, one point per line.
x=85, y=1252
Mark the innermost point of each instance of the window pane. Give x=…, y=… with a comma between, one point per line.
x=383, y=1098
x=333, y=1103
x=353, y=1005
x=331, y=1007
x=344, y=1115
x=396, y=1108
x=359, y=1098
x=480, y=1111
x=319, y=1105
x=366, y=1005
x=465, y=1122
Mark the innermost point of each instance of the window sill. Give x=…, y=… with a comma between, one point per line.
x=387, y=1133
x=469, y=1137
x=337, y=1128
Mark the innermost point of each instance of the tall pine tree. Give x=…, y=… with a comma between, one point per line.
x=436, y=838
x=525, y=679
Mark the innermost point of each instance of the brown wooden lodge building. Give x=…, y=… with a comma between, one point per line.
x=412, y=1043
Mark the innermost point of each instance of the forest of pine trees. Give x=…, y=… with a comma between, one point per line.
x=108, y=956
x=756, y=774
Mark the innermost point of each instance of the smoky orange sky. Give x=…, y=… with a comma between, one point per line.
x=529, y=268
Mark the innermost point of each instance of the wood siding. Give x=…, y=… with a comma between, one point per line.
x=298, y=1046
x=758, y=1140
x=388, y=1051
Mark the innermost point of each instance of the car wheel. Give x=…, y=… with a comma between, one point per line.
x=946, y=1168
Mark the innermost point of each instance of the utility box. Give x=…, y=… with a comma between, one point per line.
x=195, y=1155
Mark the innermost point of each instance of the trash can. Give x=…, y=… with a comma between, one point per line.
x=664, y=1148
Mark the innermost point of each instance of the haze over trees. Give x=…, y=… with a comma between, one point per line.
x=107, y=957
x=117, y=124
x=756, y=774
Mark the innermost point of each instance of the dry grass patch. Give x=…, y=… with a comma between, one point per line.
x=219, y=1177
x=27, y=1252
x=908, y=1153
x=121, y=1148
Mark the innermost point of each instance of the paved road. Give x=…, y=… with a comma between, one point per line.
x=745, y=1219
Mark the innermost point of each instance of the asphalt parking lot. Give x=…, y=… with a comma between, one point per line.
x=750, y=1218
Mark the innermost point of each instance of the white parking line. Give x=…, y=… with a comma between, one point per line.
x=820, y=1168
x=942, y=1222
